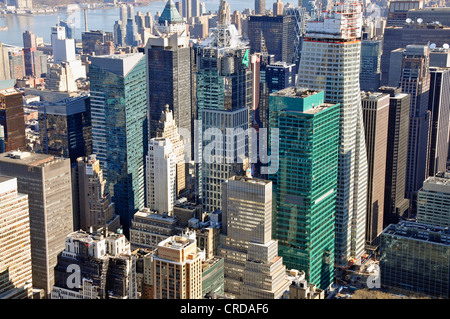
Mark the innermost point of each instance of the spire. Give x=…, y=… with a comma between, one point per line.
x=170, y=14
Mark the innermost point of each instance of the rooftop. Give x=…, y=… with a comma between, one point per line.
x=420, y=232
x=170, y=14
x=30, y=159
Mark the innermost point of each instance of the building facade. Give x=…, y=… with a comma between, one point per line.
x=375, y=108
x=416, y=257
x=305, y=184
x=120, y=128
x=46, y=180
x=15, y=244
x=337, y=73
x=395, y=203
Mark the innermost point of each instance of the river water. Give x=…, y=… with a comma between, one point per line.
x=98, y=19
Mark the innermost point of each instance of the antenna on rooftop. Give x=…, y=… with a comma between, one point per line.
x=445, y=46
x=408, y=20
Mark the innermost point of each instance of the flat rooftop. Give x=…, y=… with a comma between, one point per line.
x=250, y=180
x=29, y=159
x=419, y=232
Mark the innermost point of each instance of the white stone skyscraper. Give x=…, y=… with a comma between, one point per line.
x=330, y=61
x=161, y=175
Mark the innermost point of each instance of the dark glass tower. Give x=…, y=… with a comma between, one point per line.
x=278, y=32
x=120, y=128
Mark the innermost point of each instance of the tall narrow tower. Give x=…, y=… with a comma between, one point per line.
x=330, y=61
x=224, y=97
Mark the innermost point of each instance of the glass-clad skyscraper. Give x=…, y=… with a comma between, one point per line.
x=224, y=97
x=330, y=61
x=65, y=128
x=305, y=185
x=120, y=128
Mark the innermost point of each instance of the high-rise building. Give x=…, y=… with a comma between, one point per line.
x=430, y=14
x=35, y=61
x=278, y=32
x=103, y=262
x=412, y=33
x=12, y=119
x=5, y=66
x=416, y=257
x=119, y=128
x=278, y=7
x=433, y=201
x=370, y=75
x=439, y=106
x=169, y=68
x=260, y=7
x=395, y=203
x=90, y=38
x=253, y=269
x=306, y=182
x=65, y=127
x=46, y=181
x=167, y=128
x=415, y=80
x=177, y=268
x=398, y=11
x=15, y=246
x=301, y=16
x=375, y=108
x=93, y=208
x=331, y=62
x=439, y=57
x=224, y=98
x=29, y=39
x=186, y=8
x=161, y=171
x=65, y=69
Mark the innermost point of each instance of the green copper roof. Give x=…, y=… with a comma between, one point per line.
x=170, y=14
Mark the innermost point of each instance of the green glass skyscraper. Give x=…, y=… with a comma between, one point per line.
x=120, y=128
x=304, y=195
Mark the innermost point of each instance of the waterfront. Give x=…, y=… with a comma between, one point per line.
x=98, y=19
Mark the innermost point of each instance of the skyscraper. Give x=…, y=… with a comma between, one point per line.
x=278, y=7
x=224, y=95
x=65, y=127
x=331, y=61
x=161, y=176
x=12, y=119
x=439, y=106
x=177, y=268
x=433, y=201
x=15, y=247
x=370, y=75
x=260, y=6
x=253, y=269
x=306, y=182
x=93, y=208
x=169, y=69
x=412, y=33
x=395, y=203
x=278, y=33
x=415, y=80
x=167, y=128
x=119, y=128
x=46, y=181
x=375, y=108
x=90, y=38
